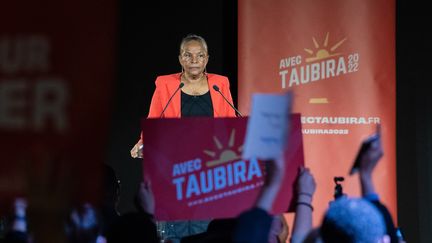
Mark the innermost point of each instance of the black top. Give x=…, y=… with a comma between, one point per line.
x=196, y=105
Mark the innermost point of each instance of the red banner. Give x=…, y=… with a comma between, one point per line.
x=338, y=58
x=196, y=171
x=56, y=74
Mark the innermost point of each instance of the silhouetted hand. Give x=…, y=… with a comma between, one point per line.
x=372, y=155
x=83, y=224
x=368, y=161
x=305, y=188
x=20, y=220
x=146, y=197
x=275, y=171
x=20, y=207
x=306, y=182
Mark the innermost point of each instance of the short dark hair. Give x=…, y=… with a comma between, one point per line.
x=193, y=37
x=352, y=221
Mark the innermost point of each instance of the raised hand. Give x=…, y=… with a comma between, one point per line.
x=368, y=162
x=146, y=198
x=306, y=185
x=373, y=154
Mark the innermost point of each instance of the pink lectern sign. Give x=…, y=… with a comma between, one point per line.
x=196, y=170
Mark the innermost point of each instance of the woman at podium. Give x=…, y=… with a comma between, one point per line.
x=191, y=93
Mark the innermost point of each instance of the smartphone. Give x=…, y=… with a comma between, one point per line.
x=364, y=147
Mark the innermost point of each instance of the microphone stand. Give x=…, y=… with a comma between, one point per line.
x=169, y=101
x=216, y=88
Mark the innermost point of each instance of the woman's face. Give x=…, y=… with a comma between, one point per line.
x=193, y=58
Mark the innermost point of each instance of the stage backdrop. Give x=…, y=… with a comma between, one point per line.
x=56, y=73
x=338, y=57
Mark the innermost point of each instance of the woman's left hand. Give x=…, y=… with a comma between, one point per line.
x=137, y=150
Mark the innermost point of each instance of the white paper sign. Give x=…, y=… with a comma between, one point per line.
x=268, y=126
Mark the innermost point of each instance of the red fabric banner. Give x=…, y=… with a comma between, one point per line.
x=196, y=171
x=56, y=73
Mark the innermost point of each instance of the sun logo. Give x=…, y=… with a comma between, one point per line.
x=226, y=155
x=322, y=53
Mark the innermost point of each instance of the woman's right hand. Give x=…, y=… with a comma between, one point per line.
x=137, y=150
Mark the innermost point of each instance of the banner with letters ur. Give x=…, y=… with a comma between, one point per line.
x=338, y=58
x=56, y=76
x=196, y=170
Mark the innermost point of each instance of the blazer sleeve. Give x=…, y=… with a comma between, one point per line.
x=156, y=104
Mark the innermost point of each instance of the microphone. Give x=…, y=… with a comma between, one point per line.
x=216, y=88
x=169, y=101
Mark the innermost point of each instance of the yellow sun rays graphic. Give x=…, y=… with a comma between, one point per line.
x=225, y=155
x=323, y=52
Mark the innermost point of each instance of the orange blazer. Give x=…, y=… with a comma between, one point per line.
x=166, y=86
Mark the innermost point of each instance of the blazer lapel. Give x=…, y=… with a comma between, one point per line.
x=215, y=96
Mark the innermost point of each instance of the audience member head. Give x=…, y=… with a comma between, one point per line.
x=353, y=221
x=111, y=188
x=132, y=227
x=218, y=230
x=136, y=226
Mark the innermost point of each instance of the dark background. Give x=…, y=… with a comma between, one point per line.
x=148, y=45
